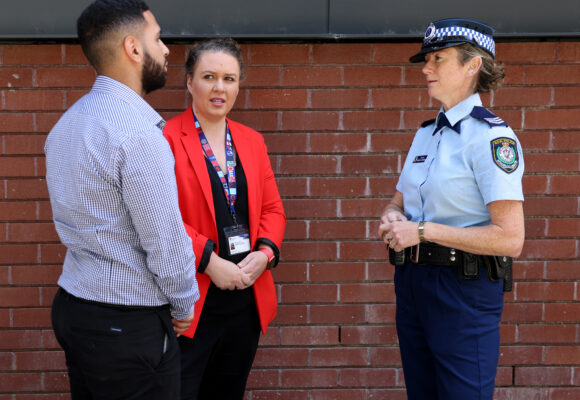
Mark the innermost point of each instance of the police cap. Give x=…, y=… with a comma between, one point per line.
x=453, y=32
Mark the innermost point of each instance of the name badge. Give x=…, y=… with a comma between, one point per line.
x=238, y=238
x=419, y=159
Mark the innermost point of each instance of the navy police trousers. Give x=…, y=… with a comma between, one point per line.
x=448, y=331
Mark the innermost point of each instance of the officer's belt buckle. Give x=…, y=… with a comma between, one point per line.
x=414, y=253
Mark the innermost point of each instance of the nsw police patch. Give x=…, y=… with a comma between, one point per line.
x=505, y=154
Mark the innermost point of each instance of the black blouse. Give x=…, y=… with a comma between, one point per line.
x=227, y=301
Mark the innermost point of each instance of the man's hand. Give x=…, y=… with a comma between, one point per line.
x=181, y=325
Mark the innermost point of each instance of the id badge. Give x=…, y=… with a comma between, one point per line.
x=238, y=238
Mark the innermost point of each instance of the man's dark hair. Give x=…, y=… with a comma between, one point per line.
x=103, y=17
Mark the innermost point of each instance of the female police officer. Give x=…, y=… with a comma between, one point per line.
x=458, y=203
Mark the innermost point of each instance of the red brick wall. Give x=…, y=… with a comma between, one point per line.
x=338, y=119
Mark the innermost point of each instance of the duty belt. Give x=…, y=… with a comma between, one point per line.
x=468, y=264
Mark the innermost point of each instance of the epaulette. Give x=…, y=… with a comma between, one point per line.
x=428, y=122
x=486, y=115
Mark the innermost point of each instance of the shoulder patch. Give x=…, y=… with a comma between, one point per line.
x=428, y=122
x=504, y=152
x=487, y=116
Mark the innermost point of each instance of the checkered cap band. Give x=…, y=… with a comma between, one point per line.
x=484, y=41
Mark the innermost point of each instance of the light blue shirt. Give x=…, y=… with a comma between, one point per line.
x=111, y=180
x=450, y=178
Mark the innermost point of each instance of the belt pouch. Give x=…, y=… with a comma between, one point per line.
x=494, y=270
x=397, y=258
x=470, y=266
x=499, y=267
x=506, y=263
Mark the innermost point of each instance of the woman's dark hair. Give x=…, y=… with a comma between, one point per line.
x=491, y=73
x=220, y=45
x=102, y=18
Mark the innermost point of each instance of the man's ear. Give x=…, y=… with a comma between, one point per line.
x=132, y=48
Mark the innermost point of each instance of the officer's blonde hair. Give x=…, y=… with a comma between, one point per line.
x=491, y=74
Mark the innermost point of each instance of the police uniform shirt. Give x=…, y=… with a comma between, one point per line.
x=452, y=173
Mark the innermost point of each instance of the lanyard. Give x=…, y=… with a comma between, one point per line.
x=229, y=185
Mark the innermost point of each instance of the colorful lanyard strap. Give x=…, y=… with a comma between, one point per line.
x=229, y=185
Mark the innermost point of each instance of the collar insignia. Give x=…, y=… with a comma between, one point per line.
x=484, y=114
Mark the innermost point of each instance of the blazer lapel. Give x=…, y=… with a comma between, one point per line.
x=192, y=146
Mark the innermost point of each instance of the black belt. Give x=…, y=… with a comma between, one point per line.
x=63, y=293
x=468, y=264
x=429, y=253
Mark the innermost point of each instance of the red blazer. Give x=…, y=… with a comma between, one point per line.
x=266, y=214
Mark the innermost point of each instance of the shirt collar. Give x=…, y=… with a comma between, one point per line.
x=462, y=109
x=115, y=88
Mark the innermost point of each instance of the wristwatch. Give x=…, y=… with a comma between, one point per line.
x=421, y=229
x=270, y=255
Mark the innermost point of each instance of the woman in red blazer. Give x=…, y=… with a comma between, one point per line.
x=232, y=210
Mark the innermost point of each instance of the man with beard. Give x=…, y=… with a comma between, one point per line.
x=128, y=282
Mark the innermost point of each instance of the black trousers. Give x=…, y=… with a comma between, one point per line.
x=215, y=364
x=117, y=353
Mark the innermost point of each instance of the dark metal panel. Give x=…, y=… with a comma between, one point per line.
x=38, y=19
x=319, y=19
x=409, y=18
x=191, y=18
x=54, y=19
